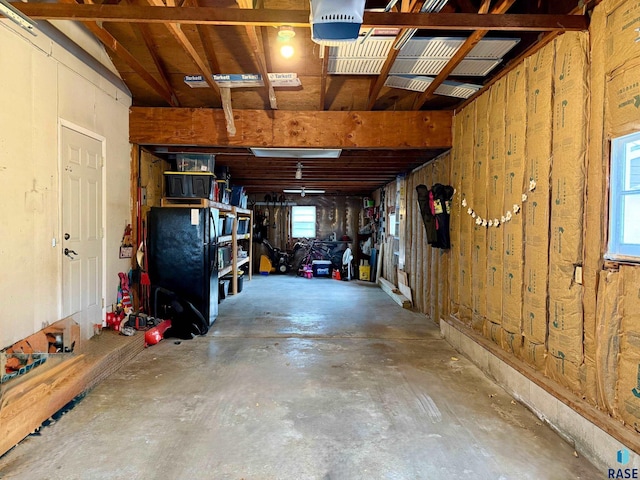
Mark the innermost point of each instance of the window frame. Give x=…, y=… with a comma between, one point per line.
x=617, y=249
x=294, y=234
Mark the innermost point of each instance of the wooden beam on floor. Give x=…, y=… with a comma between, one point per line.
x=391, y=290
x=27, y=401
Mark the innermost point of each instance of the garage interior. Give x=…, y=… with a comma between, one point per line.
x=510, y=351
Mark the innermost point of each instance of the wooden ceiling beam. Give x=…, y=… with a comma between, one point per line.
x=464, y=50
x=110, y=42
x=293, y=129
x=298, y=18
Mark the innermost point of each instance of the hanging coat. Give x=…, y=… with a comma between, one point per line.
x=425, y=211
x=442, y=195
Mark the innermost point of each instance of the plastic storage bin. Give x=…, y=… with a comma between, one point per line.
x=243, y=226
x=229, y=277
x=195, y=162
x=321, y=268
x=189, y=184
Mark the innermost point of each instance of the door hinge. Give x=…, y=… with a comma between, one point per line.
x=103, y=303
x=102, y=162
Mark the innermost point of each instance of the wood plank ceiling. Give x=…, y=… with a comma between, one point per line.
x=154, y=44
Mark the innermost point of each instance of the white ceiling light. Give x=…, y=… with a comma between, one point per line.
x=302, y=190
x=299, y=171
x=17, y=17
x=297, y=152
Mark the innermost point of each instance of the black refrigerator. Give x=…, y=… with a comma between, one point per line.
x=182, y=249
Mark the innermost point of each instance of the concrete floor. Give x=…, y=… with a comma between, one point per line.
x=300, y=379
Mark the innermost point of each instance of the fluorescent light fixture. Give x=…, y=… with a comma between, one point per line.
x=300, y=190
x=15, y=15
x=297, y=152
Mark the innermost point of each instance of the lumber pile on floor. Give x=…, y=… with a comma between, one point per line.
x=29, y=400
x=394, y=293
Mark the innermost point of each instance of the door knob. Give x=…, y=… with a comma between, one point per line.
x=69, y=253
x=67, y=236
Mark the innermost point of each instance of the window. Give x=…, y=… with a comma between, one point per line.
x=303, y=222
x=624, y=201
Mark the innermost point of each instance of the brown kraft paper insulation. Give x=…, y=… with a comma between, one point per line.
x=608, y=340
x=466, y=225
x=622, y=19
x=513, y=231
x=623, y=99
x=479, y=251
x=628, y=388
x=540, y=69
x=567, y=183
x=595, y=203
x=495, y=199
x=534, y=354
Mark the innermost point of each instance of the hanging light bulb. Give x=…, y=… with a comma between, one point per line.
x=285, y=34
x=299, y=172
x=302, y=194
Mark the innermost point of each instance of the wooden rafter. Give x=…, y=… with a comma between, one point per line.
x=205, y=39
x=299, y=18
x=116, y=47
x=188, y=47
x=378, y=82
x=468, y=45
x=258, y=52
x=145, y=33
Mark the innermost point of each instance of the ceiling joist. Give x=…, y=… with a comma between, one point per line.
x=461, y=53
x=298, y=18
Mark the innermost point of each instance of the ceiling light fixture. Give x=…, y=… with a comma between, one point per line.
x=299, y=172
x=296, y=152
x=303, y=190
x=285, y=35
x=15, y=15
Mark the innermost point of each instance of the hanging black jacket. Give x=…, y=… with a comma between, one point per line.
x=427, y=217
x=442, y=195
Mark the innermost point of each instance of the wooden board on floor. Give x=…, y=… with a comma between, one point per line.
x=394, y=293
x=29, y=400
x=403, y=285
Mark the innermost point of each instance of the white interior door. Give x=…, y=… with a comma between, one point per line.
x=81, y=228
